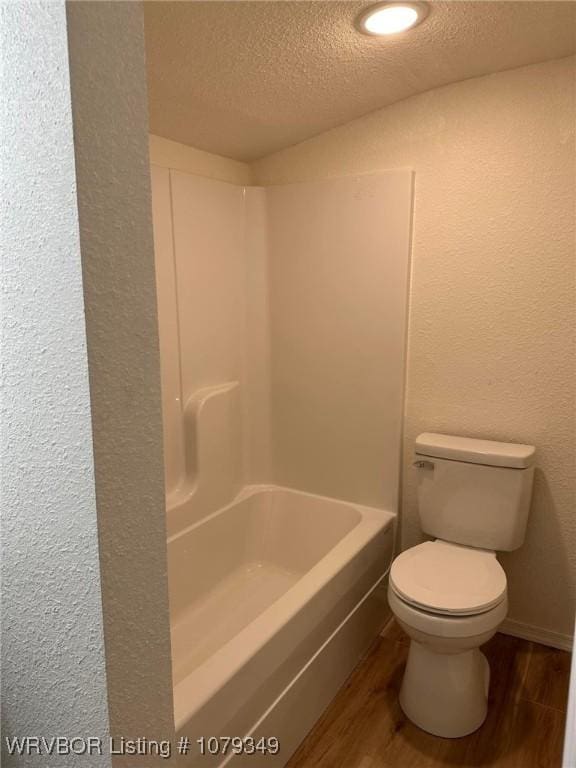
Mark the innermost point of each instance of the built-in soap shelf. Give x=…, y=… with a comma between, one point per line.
x=213, y=451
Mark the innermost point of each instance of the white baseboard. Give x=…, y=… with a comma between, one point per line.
x=537, y=634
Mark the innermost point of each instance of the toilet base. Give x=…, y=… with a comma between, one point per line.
x=445, y=694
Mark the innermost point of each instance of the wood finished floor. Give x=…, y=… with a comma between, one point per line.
x=364, y=726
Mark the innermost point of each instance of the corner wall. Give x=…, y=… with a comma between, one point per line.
x=253, y=391
x=492, y=322
x=53, y=659
x=115, y=224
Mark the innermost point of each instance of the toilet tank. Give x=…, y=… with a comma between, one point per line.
x=474, y=492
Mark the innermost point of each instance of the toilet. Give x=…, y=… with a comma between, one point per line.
x=449, y=595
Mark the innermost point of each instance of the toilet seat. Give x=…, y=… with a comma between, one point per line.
x=443, y=626
x=448, y=579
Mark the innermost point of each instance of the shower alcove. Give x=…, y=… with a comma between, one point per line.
x=282, y=319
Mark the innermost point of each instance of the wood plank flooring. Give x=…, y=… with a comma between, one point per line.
x=364, y=726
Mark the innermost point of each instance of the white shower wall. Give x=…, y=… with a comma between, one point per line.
x=338, y=255
x=168, y=331
x=298, y=294
x=210, y=266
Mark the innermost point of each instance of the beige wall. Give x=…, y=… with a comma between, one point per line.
x=180, y=157
x=491, y=332
x=85, y=630
x=116, y=244
x=53, y=656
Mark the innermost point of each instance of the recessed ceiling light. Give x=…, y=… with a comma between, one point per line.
x=391, y=18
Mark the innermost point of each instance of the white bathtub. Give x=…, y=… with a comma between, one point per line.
x=273, y=600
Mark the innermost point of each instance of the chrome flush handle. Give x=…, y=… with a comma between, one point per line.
x=422, y=464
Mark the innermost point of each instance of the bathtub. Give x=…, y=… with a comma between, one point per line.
x=273, y=600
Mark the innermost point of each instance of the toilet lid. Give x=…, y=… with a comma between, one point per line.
x=448, y=578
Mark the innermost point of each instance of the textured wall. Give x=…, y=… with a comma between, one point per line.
x=491, y=334
x=53, y=670
x=180, y=157
x=118, y=262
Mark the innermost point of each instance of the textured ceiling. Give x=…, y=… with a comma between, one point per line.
x=244, y=79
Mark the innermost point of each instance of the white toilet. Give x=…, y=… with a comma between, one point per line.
x=449, y=595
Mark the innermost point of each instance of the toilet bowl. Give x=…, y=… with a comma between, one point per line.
x=449, y=599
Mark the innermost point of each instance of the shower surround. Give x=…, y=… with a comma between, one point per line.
x=282, y=320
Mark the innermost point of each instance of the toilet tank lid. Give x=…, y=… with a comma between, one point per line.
x=488, y=452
